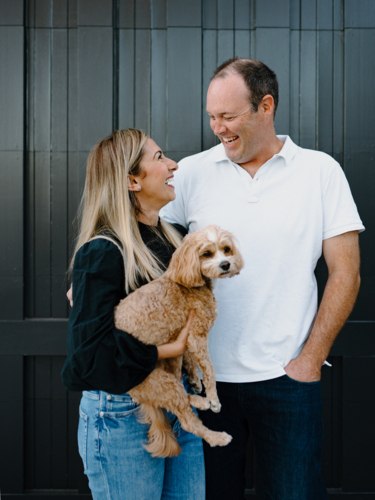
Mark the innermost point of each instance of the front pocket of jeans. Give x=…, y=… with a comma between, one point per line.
x=300, y=382
x=120, y=410
x=82, y=437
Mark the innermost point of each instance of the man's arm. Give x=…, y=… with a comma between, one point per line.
x=341, y=254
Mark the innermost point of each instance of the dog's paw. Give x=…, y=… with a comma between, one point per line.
x=196, y=387
x=219, y=439
x=199, y=402
x=215, y=406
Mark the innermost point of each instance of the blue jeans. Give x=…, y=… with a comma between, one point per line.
x=284, y=419
x=110, y=440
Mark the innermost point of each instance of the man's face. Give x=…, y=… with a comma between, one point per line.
x=232, y=119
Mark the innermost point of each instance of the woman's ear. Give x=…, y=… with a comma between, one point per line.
x=185, y=265
x=133, y=184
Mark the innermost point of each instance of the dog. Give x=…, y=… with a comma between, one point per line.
x=156, y=313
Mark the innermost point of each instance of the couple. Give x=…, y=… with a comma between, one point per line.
x=286, y=206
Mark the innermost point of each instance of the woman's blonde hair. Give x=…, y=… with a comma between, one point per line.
x=107, y=204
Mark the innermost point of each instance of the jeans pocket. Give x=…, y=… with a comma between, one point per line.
x=300, y=382
x=118, y=407
x=82, y=437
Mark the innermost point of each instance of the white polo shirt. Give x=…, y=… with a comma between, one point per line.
x=280, y=218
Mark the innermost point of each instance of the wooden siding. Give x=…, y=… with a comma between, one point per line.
x=71, y=71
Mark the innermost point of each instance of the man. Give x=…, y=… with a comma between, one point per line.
x=286, y=205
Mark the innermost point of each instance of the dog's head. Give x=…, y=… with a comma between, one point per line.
x=209, y=253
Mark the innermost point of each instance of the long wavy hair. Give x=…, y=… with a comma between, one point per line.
x=108, y=206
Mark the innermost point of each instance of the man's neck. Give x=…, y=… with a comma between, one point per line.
x=262, y=156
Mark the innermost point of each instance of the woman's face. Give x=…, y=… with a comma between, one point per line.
x=155, y=179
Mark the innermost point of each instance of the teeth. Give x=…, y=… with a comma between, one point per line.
x=169, y=182
x=229, y=139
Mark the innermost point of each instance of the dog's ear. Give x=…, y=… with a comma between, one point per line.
x=185, y=266
x=239, y=259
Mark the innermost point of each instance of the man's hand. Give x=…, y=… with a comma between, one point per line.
x=303, y=370
x=178, y=347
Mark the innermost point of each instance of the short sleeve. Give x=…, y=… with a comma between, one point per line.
x=340, y=214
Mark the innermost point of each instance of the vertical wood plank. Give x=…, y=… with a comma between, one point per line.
x=308, y=14
x=308, y=90
x=182, y=13
x=158, y=88
x=60, y=13
x=294, y=95
x=225, y=45
x=73, y=90
x=126, y=79
x=127, y=13
x=359, y=14
x=242, y=14
x=143, y=14
x=325, y=91
x=272, y=47
x=324, y=14
x=142, y=80
x=209, y=14
x=59, y=90
x=242, y=43
x=11, y=13
x=184, y=79
x=295, y=7
x=42, y=101
x=11, y=429
x=209, y=66
x=159, y=14
x=272, y=14
x=94, y=12
x=94, y=85
x=338, y=95
x=225, y=14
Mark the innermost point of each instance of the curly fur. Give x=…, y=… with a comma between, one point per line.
x=156, y=313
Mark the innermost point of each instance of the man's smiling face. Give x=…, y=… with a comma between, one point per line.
x=232, y=119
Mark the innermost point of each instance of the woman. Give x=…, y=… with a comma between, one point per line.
x=128, y=181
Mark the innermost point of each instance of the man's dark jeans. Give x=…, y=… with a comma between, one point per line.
x=284, y=418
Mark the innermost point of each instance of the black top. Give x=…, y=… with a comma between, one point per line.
x=101, y=357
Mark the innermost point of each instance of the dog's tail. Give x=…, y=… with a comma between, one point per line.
x=161, y=440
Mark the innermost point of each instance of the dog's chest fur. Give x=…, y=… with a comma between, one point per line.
x=156, y=312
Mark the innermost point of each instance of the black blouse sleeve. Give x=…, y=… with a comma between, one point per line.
x=101, y=357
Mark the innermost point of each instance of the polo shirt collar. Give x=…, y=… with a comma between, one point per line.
x=287, y=152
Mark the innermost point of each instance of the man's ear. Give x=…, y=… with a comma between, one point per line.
x=268, y=105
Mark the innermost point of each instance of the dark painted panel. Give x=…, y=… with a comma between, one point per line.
x=42, y=234
x=59, y=455
x=225, y=45
x=60, y=13
x=182, y=13
x=73, y=90
x=94, y=12
x=126, y=14
x=324, y=14
x=308, y=14
x=242, y=43
x=209, y=14
x=11, y=13
x=29, y=237
x=184, y=80
x=209, y=66
x=43, y=436
x=359, y=433
x=11, y=429
x=359, y=120
x=338, y=14
x=295, y=86
x=11, y=88
x=142, y=79
x=59, y=90
x=338, y=93
x=94, y=85
x=308, y=90
x=159, y=14
x=272, y=48
x=359, y=14
x=42, y=92
x=242, y=14
x=73, y=13
x=158, y=88
x=272, y=14
x=294, y=14
x=325, y=91
x=126, y=79
x=225, y=14
x=76, y=478
x=143, y=14
x=59, y=237
x=42, y=13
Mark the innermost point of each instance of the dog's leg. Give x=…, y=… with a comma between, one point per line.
x=199, y=349
x=190, y=364
x=163, y=390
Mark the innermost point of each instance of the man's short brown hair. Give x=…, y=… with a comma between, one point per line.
x=259, y=79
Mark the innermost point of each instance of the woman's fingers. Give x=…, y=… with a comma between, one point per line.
x=69, y=294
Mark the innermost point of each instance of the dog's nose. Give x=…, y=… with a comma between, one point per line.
x=225, y=265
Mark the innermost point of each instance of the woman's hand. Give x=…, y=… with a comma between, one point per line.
x=69, y=294
x=178, y=347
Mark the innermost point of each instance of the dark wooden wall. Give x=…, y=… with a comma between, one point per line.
x=73, y=70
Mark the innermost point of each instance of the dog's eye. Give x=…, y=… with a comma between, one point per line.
x=207, y=254
x=226, y=249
